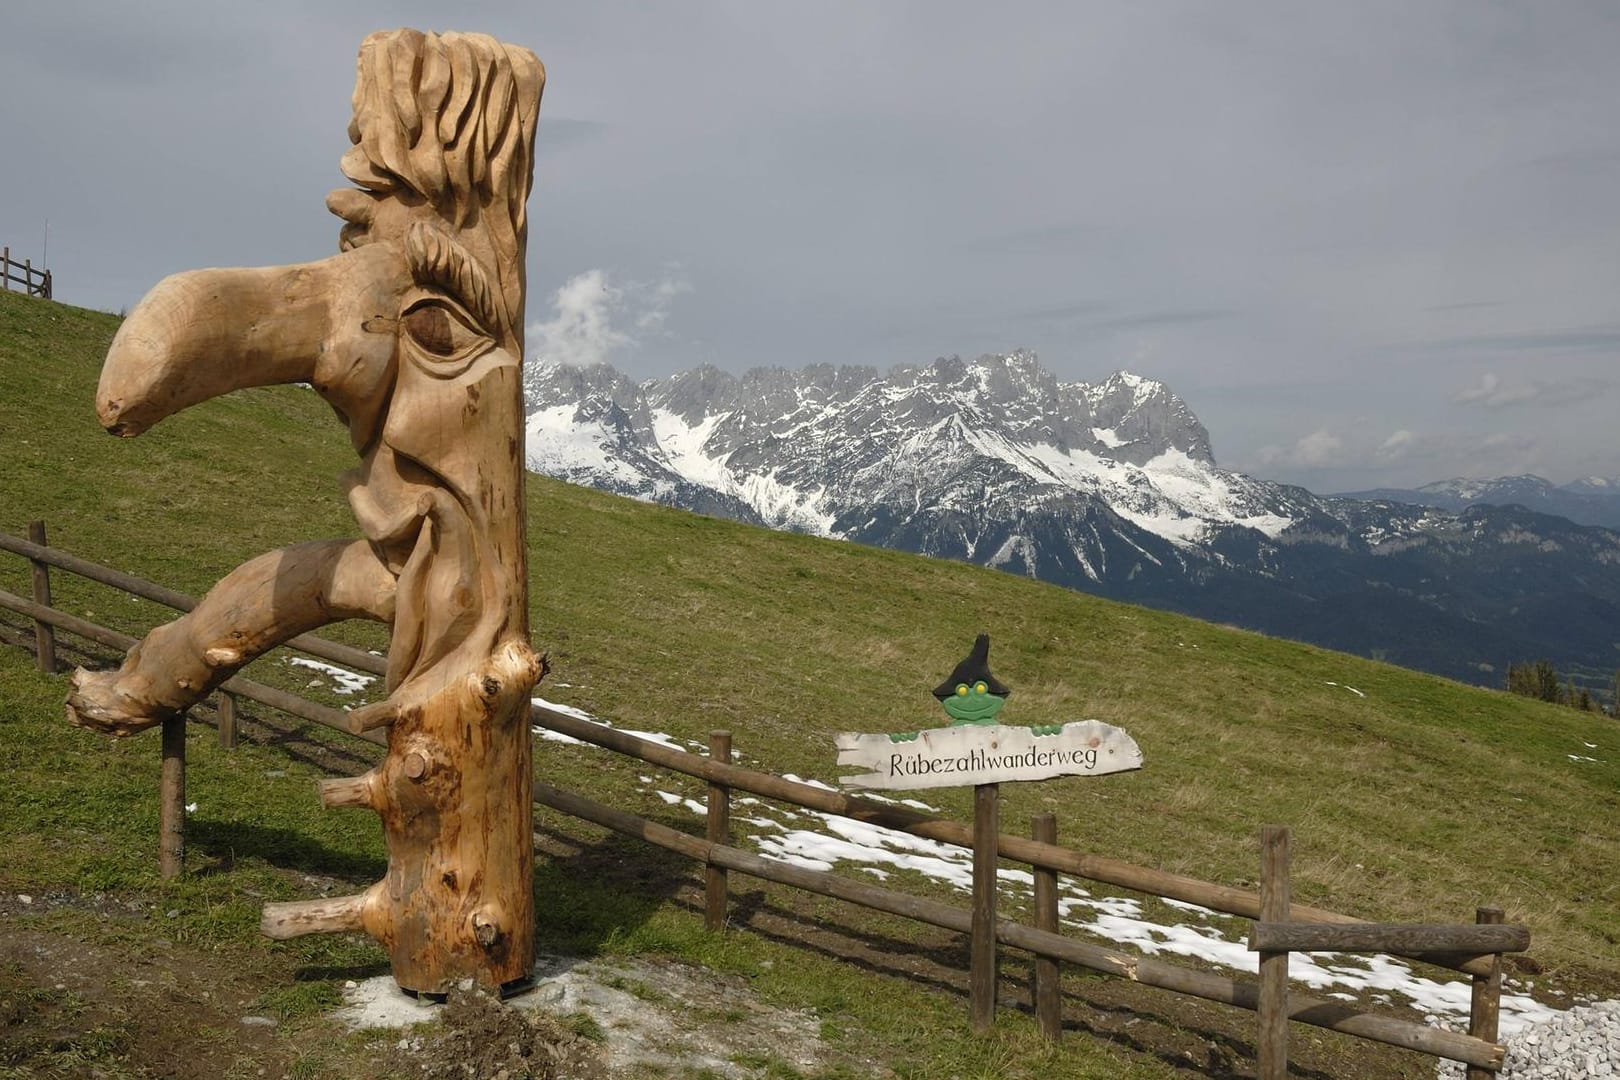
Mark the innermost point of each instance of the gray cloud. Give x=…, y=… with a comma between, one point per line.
x=1468, y=305
x=1246, y=202
x=1060, y=312
x=1172, y=317
x=1606, y=338
x=1491, y=392
x=1046, y=240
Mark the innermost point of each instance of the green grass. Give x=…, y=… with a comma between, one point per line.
x=1415, y=800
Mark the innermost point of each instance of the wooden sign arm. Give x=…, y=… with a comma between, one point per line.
x=257, y=606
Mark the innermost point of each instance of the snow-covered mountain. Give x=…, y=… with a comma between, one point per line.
x=1591, y=500
x=953, y=455
x=1109, y=487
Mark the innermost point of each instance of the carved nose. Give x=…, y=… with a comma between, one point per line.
x=204, y=333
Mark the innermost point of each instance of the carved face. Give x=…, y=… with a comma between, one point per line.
x=413, y=332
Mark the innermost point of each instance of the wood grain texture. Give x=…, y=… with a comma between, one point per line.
x=982, y=949
x=172, y=800
x=44, y=632
x=1046, y=995
x=718, y=830
x=1272, y=1042
x=1485, y=1000
x=413, y=333
x=1388, y=937
x=969, y=754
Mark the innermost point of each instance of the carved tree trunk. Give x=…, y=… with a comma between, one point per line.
x=414, y=334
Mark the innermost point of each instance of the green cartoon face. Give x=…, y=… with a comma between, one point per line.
x=973, y=703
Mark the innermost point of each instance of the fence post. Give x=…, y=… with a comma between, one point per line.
x=5, y=268
x=982, y=949
x=28, y=277
x=225, y=707
x=1046, y=996
x=1485, y=1007
x=714, y=877
x=172, y=800
x=1274, y=902
x=44, y=632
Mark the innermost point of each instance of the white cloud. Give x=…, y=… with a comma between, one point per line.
x=1320, y=447
x=1490, y=393
x=597, y=317
x=1397, y=446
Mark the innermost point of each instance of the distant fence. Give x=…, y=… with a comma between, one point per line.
x=1281, y=926
x=33, y=282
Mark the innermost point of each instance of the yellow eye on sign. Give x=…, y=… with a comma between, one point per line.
x=961, y=689
x=979, y=688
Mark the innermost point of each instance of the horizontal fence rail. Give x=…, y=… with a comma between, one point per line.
x=1333, y=1015
x=1105, y=871
x=1471, y=950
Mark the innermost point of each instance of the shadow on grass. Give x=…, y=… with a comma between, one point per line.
x=592, y=894
x=228, y=842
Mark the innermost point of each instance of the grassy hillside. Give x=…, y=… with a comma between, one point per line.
x=1411, y=797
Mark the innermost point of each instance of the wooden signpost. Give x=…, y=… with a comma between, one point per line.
x=975, y=750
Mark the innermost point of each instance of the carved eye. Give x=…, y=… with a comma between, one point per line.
x=961, y=689
x=980, y=688
x=444, y=331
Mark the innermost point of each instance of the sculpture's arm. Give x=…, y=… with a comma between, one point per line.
x=259, y=605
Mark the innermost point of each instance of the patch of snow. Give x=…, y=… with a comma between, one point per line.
x=683, y=444
x=567, y=710
x=560, y=447
x=1108, y=437
x=348, y=682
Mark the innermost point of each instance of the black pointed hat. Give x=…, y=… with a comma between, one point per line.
x=975, y=667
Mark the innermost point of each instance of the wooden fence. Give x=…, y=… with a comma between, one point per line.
x=1275, y=915
x=33, y=282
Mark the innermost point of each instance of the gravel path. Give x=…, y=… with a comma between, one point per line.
x=1579, y=1044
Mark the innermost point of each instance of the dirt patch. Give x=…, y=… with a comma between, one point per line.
x=634, y=1017
x=72, y=1008
x=479, y=1036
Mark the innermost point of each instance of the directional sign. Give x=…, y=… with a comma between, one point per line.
x=969, y=754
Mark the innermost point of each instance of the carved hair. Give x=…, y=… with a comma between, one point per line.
x=450, y=118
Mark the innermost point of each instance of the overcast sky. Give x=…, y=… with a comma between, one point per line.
x=1368, y=243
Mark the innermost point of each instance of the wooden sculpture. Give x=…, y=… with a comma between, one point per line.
x=414, y=334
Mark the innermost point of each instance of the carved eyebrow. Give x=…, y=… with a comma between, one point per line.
x=437, y=258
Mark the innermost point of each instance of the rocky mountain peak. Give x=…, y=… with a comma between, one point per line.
x=694, y=394
x=808, y=448
x=1109, y=487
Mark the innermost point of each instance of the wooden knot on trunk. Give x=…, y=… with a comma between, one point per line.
x=506, y=678
x=222, y=656
x=485, y=932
